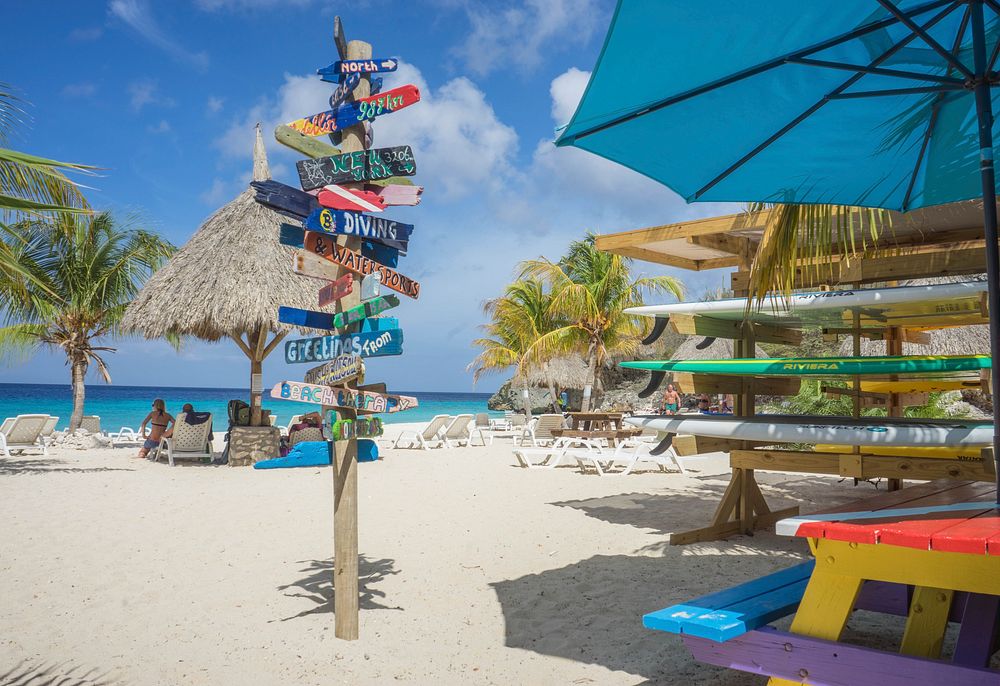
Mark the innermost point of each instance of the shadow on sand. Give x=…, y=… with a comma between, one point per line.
x=317, y=585
x=27, y=674
x=45, y=465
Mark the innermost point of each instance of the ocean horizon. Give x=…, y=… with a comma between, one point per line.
x=119, y=406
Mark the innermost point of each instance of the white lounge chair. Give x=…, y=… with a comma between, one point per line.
x=187, y=442
x=22, y=433
x=540, y=429
x=125, y=436
x=459, y=431
x=50, y=427
x=483, y=427
x=424, y=437
x=553, y=455
x=630, y=455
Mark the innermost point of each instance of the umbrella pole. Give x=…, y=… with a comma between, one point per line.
x=984, y=112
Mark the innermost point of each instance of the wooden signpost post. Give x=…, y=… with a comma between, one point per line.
x=342, y=243
x=363, y=165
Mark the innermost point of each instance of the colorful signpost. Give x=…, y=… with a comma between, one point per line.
x=338, y=186
x=350, y=167
x=363, y=401
x=356, y=112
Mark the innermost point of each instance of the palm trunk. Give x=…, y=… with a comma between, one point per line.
x=552, y=389
x=591, y=377
x=79, y=369
x=526, y=397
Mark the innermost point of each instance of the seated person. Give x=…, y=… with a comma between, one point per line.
x=307, y=421
x=703, y=402
x=726, y=406
x=159, y=422
x=188, y=407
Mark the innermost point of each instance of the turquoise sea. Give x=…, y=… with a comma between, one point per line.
x=119, y=406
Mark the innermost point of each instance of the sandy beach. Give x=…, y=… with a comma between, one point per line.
x=473, y=570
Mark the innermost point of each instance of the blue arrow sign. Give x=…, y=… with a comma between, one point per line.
x=323, y=348
x=373, y=66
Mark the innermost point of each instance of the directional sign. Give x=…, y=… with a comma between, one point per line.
x=344, y=429
x=323, y=348
x=337, y=198
x=352, y=167
x=396, y=194
x=338, y=222
x=307, y=145
x=361, y=401
x=344, y=91
x=372, y=66
x=331, y=321
x=339, y=370
x=294, y=237
x=381, y=253
x=371, y=286
x=285, y=199
x=335, y=290
x=320, y=248
x=353, y=113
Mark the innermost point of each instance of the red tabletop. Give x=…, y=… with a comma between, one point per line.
x=948, y=516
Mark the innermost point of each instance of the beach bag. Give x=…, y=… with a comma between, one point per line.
x=239, y=413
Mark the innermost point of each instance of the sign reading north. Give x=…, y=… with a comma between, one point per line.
x=351, y=167
x=372, y=66
x=323, y=348
x=363, y=401
x=352, y=113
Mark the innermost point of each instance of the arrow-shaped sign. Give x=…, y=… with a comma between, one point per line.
x=353, y=113
x=337, y=198
x=371, y=66
x=383, y=251
x=344, y=91
x=323, y=254
x=347, y=398
x=353, y=167
x=341, y=223
x=331, y=321
x=338, y=370
x=323, y=348
x=335, y=290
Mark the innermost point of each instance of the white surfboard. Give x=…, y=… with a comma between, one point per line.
x=937, y=305
x=836, y=430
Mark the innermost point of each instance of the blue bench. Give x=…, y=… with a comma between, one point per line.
x=737, y=610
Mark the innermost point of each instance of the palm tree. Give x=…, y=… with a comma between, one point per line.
x=590, y=291
x=75, y=277
x=519, y=317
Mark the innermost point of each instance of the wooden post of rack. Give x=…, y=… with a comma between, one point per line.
x=344, y=453
x=894, y=346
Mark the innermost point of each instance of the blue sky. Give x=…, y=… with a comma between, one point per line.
x=164, y=96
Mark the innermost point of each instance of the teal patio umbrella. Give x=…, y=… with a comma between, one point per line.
x=874, y=103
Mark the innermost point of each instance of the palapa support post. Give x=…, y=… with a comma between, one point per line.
x=344, y=453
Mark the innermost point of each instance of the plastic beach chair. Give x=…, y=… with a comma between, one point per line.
x=540, y=430
x=424, y=437
x=23, y=433
x=483, y=428
x=553, y=455
x=630, y=455
x=459, y=431
x=187, y=442
x=50, y=427
x=125, y=436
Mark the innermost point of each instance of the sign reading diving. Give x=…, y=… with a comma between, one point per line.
x=345, y=223
x=351, y=167
x=323, y=348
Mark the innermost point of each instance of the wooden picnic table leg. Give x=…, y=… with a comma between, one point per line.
x=927, y=621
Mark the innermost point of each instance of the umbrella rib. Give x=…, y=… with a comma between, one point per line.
x=822, y=101
x=935, y=109
x=926, y=38
x=896, y=91
x=760, y=68
x=916, y=76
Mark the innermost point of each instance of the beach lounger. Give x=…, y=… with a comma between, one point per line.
x=483, y=428
x=22, y=433
x=189, y=441
x=630, y=455
x=429, y=434
x=553, y=455
x=50, y=427
x=458, y=431
x=540, y=429
x=125, y=436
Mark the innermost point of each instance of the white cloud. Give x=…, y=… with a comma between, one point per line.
x=214, y=105
x=86, y=34
x=84, y=89
x=516, y=33
x=566, y=91
x=160, y=128
x=137, y=15
x=146, y=92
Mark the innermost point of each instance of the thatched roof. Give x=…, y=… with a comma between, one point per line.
x=958, y=340
x=564, y=372
x=228, y=279
x=720, y=349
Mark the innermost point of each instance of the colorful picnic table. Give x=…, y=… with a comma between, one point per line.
x=941, y=538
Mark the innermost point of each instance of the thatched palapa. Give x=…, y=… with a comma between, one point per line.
x=227, y=281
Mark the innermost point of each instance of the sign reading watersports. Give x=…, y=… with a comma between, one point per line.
x=319, y=245
x=322, y=348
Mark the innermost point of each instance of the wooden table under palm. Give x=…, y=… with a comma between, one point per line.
x=228, y=282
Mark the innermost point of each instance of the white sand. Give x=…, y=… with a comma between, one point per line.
x=474, y=571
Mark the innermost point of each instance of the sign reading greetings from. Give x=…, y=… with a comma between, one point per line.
x=323, y=348
x=352, y=167
x=353, y=113
x=348, y=398
x=340, y=369
x=328, y=249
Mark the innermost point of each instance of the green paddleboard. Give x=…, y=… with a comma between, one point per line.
x=822, y=366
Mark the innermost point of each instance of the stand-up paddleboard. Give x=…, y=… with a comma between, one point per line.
x=822, y=366
x=952, y=453
x=888, y=431
x=938, y=305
